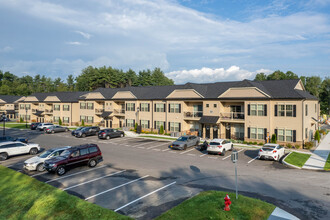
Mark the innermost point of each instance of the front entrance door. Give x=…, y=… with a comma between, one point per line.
x=228, y=131
x=107, y=123
x=215, y=132
x=110, y=124
x=120, y=124
x=207, y=131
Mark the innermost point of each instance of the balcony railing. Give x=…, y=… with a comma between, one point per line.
x=232, y=116
x=119, y=111
x=48, y=111
x=193, y=115
x=99, y=110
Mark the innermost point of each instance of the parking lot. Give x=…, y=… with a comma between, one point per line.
x=123, y=188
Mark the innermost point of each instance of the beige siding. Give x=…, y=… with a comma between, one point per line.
x=239, y=92
x=124, y=95
x=184, y=93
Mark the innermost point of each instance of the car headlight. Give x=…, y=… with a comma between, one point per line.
x=51, y=164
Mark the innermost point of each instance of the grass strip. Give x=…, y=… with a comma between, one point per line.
x=20, y=126
x=157, y=137
x=327, y=163
x=297, y=159
x=210, y=205
x=23, y=197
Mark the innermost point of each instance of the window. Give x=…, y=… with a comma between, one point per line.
x=144, y=123
x=261, y=110
x=90, y=119
x=21, y=106
x=90, y=105
x=175, y=108
x=257, y=133
x=92, y=149
x=66, y=119
x=82, y=118
x=27, y=106
x=239, y=132
x=281, y=110
x=174, y=126
x=214, y=105
x=56, y=107
x=207, y=105
x=144, y=107
x=66, y=108
x=306, y=133
x=82, y=105
x=315, y=108
x=253, y=133
x=56, y=118
x=159, y=107
x=260, y=133
x=253, y=109
x=288, y=135
x=130, y=123
x=280, y=135
x=289, y=110
x=84, y=151
x=158, y=124
x=306, y=109
x=75, y=153
x=130, y=107
x=28, y=117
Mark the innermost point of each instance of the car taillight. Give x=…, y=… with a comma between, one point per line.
x=103, y=133
x=48, y=129
x=274, y=151
x=260, y=150
x=219, y=146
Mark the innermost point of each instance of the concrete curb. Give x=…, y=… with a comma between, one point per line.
x=289, y=164
x=278, y=214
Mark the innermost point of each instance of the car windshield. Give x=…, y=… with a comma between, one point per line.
x=84, y=129
x=182, y=139
x=65, y=153
x=46, y=153
x=78, y=129
x=268, y=148
x=214, y=143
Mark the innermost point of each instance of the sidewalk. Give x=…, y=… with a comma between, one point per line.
x=280, y=214
x=319, y=156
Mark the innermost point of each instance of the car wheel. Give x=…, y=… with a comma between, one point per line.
x=92, y=163
x=3, y=156
x=185, y=147
x=60, y=170
x=53, y=132
x=44, y=129
x=232, y=147
x=197, y=143
x=108, y=137
x=83, y=135
x=223, y=152
x=33, y=151
x=40, y=167
x=122, y=135
x=66, y=129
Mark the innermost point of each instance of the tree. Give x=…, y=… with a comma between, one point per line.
x=325, y=96
x=70, y=83
x=82, y=123
x=161, y=129
x=317, y=136
x=313, y=85
x=260, y=77
x=131, y=78
x=273, y=140
x=277, y=75
x=158, y=78
x=291, y=75
x=59, y=121
x=145, y=78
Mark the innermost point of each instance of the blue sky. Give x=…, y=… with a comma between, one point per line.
x=190, y=40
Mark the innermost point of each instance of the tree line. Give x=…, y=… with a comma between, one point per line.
x=89, y=79
x=313, y=84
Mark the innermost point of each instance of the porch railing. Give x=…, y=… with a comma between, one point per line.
x=232, y=115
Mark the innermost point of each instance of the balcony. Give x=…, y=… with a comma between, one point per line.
x=49, y=111
x=99, y=111
x=193, y=115
x=119, y=112
x=232, y=116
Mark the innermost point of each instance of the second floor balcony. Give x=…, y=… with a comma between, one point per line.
x=49, y=111
x=99, y=111
x=119, y=111
x=193, y=115
x=232, y=116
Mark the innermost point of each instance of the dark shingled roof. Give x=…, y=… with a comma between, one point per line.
x=276, y=89
x=105, y=114
x=62, y=96
x=209, y=119
x=10, y=98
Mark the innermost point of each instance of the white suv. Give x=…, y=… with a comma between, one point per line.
x=43, y=126
x=11, y=148
x=219, y=146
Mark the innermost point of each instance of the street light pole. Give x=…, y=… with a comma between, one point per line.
x=26, y=117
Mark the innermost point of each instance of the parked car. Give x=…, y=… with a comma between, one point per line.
x=43, y=126
x=219, y=146
x=110, y=133
x=183, y=142
x=74, y=132
x=88, y=131
x=8, y=138
x=271, y=151
x=34, y=125
x=56, y=128
x=4, y=119
x=37, y=162
x=89, y=154
x=11, y=148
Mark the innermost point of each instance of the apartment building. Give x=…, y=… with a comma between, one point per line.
x=51, y=107
x=245, y=110
x=9, y=106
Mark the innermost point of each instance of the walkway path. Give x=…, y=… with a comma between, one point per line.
x=319, y=156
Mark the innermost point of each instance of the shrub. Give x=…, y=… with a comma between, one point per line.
x=317, y=136
x=161, y=129
x=34, y=120
x=323, y=132
x=260, y=143
x=60, y=121
x=297, y=146
x=273, y=140
x=168, y=134
x=289, y=145
x=76, y=124
x=250, y=143
x=82, y=123
x=255, y=143
x=21, y=120
x=135, y=126
x=309, y=145
x=245, y=142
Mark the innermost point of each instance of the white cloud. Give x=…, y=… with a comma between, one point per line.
x=74, y=43
x=85, y=35
x=207, y=75
x=6, y=49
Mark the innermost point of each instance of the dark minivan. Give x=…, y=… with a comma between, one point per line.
x=87, y=154
x=88, y=131
x=110, y=133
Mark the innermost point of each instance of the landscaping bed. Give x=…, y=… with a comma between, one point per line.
x=327, y=164
x=15, y=125
x=297, y=159
x=23, y=197
x=210, y=205
x=157, y=137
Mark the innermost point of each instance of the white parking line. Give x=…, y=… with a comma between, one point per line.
x=111, y=174
x=253, y=159
x=157, y=145
x=187, y=151
x=191, y=154
x=140, y=144
x=20, y=158
x=116, y=187
x=75, y=174
x=141, y=147
x=38, y=174
x=11, y=165
x=230, y=154
x=144, y=196
x=166, y=149
x=213, y=158
x=203, y=155
x=173, y=152
x=156, y=149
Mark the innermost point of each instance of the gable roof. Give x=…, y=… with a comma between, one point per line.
x=62, y=96
x=10, y=98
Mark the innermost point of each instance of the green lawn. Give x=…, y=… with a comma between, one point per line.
x=327, y=164
x=157, y=137
x=210, y=204
x=297, y=159
x=23, y=197
x=16, y=125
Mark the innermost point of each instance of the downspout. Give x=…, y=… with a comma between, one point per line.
x=303, y=128
x=71, y=115
x=152, y=115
